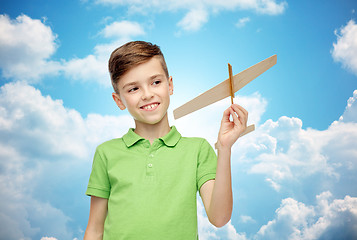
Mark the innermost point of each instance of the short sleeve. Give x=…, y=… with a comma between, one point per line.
x=99, y=184
x=207, y=164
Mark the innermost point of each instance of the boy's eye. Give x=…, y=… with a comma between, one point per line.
x=133, y=89
x=156, y=82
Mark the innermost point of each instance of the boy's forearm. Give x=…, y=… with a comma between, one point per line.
x=93, y=235
x=220, y=209
x=97, y=215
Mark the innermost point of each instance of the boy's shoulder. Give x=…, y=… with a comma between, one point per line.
x=118, y=142
x=195, y=142
x=113, y=143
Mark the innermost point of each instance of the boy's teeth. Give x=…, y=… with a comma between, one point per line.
x=150, y=106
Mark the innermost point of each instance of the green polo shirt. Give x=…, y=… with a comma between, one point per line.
x=151, y=189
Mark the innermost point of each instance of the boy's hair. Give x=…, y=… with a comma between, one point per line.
x=131, y=55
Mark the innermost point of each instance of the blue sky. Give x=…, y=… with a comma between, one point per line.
x=293, y=178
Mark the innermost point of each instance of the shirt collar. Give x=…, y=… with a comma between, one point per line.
x=130, y=138
x=170, y=139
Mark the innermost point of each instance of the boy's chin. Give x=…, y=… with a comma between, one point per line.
x=153, y=121
x=148, y=121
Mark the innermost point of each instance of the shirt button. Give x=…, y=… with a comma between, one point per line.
x=151, y=155
x=150, y=165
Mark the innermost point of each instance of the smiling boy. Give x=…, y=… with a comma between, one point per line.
x=144, y=185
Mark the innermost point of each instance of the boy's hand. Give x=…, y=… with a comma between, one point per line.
x=231, y=130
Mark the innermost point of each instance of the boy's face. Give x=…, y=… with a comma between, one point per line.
x=145, y=91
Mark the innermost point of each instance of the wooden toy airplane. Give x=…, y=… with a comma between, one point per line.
x=226, y=88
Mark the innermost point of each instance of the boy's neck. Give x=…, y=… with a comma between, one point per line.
x=152, y=131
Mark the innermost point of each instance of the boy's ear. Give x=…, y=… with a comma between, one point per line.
x=118, y=101
x=171, y=86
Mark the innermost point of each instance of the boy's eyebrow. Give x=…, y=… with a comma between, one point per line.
x=155, y=76
x=129, y=84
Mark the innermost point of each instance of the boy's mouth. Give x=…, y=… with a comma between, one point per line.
x=150, y=106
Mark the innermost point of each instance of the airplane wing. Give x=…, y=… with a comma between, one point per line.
x=222, y=90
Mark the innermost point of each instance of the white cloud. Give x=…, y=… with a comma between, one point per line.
x=198, y=11
x=288, y=156
x=21, y=215
x=345, y=49
x=295, y=220
x=206, y=231
x=45, y=144
x=246, y=219
x=288, y=151
x=123, y=29
x=273, y=184
x=271, y=7
x=232, y=233
x=284, y=151
x=242, y=22
x=350, y=113
x=94, y=67
x=26, y=46
x=193, y=20
x=32, y=123
x=41, y=122
x=291, y=217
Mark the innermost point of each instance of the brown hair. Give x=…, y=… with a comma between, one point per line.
x=131, y=55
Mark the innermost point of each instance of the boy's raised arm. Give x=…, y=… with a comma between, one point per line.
x=217, y=194
x=97, y=215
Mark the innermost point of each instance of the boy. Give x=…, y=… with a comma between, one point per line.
x=144, y=185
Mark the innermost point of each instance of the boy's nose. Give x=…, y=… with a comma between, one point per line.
x=147, y=94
